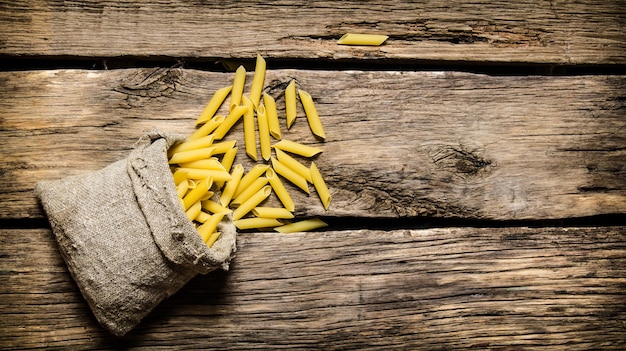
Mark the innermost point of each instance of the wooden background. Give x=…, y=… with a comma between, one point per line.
x=477, y=162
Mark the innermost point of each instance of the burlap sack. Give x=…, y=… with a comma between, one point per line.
x=125, y=237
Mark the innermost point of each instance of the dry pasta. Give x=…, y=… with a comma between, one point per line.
x=207, y=128
x=252, y=202
x=250, y=177
x=199, y=143
x=256, y=222
x=213, y=207
x=250, y=190
x=280, y=190
x=302, y=226
x=272, y=116
x=223, y=147
x=196, y=193
x=230, y=120
x=217, y=176
x=208, y=163
x=320, y=186
x=257, y=81
x=191, y=155
x=248, y=129
x=264, y=134
x=294, y=165
x=290, y=175
x=214, y=104
x=290, y=103
x=362, y=39
x=272, y=212
x=311, y=114
x=212, y=239
x=231, y=185
x=194, y=210
x=179, y=176
x=297, y=148
x=237, y=91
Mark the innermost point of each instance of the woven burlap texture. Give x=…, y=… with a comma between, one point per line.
x=125, y=237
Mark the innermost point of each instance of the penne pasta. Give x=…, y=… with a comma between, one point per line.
x=362, y=39
x=191, y=155
x=290, y=175
x=223, y=147
x=218, y=176
x=279, y=190
x=311, y=114
x=249, y=191
x=209, y=227
x=302, y=226
x=250, y=177
x=209, y=163
x=213, y=207
x=214, y=104
x=257, y=81
x=297, y=148
x=294, y=165
x=229, y=158
x=207, y=128
x=290, y=103
x=194, y=210
x=230, y=120
x=179, y=176
x=272, y=212
x=199, y=143
x=272, y=116
x=249, y=135
x=231, y=185
x=252, y=202
x=196, y=193
x=255, y=223
x=212, y=239
x=320, y=186
x=202, y=217
x=207, y=196
x=237, y=91
x=264, y=133
x=181, y=189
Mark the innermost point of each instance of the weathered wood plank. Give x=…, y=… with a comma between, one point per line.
x=454, y=288
x=557, y=32
x=398, y=143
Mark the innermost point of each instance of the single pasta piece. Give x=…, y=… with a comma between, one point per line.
x=320, y=186
x=223, y=147
x=238, y=83
x=179, y=176
x=252, y=202
x=302, y=226
x=311, y=114
x=297, y=148
x=229, y=158
x=232, y=118
x=212, y=239
x=207, y=196
x=272, y=212
x=202, y=217
x=248, y=129
x=196, y=193
x=214, y=207
x=216, y=175
x=231, y=185
x=207, y=128
x=290, y=103
x=257, y=81
x=199, y=143
x=216, y=101
x=250, y=177
x=191, y=155
x=249, y=191
x=362, y=39
x=279, y=190
x=181, y=189
x=193, y=211
x=209, y=227
x=209, y=163
x=264, y=133
x=272, y=116
x=294, y=165
x=256, y=222
x=290, y=175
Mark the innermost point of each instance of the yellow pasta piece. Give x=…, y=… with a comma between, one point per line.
x=294, y=165
x=248, y=129
x=320, y=186
x=199, y=143
x=250, y=177
x=232, y=118
x=208, y=127
x=195, y=173
x=272, y=212
x=250, y=190
x=179, y=176
x=181, y=189
x=264, y=133
x=202, y=217
x=311, y=114
x=279, y=190
x=297, y=148
x=214, y=207
x=212, y=239
x=196, y=193
x=209, y=227
x=231, y=185
x=257, y=81
x=229, y=158
x=238, y=83
x=207, y=196
x=191, y=155
x=194, y=210
x=209, y=163
x=214, y=104
x=290, y=103
x=223, y=147
x=252, y=202
x=290, y=175
x=302, y=226
x=254, y=223
x=272, y=116
x=362, y=39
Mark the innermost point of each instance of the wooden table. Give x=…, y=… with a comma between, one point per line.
x=477, y=162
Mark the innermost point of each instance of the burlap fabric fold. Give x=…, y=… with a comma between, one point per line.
x=125, y=237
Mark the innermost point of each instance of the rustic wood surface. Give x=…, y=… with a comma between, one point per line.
x=398, y=143
x=555, y=32
x=443, y=289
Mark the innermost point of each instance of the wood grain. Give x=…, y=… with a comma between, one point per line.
x=451, y=288
x=553, y=32
x=399, y=144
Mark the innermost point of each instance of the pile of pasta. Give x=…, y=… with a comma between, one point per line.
x=210, y=187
